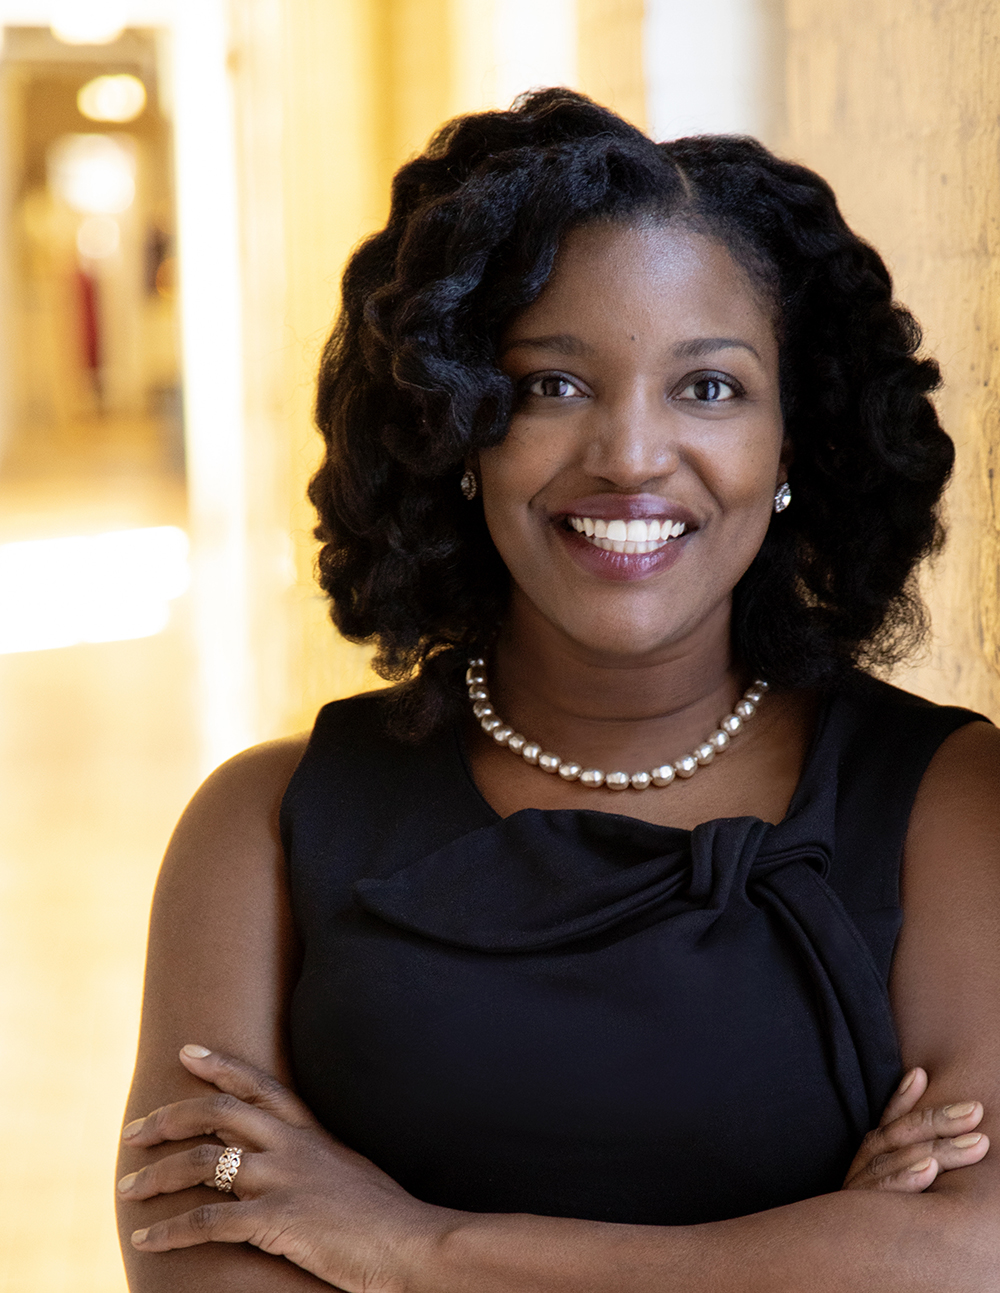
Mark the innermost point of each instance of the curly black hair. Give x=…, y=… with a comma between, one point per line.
x=409, y=385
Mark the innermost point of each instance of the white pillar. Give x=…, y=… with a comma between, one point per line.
x=210, y=304
x=504, y=47
x=713, y=67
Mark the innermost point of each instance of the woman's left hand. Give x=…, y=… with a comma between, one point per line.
x=298, y=1192
x=910, y=1147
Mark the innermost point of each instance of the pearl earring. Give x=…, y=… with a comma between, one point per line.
x=469, y=485
x=782, y=498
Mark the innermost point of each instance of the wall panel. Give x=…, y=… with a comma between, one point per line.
x=899, y=107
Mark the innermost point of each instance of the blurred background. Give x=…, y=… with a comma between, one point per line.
x=180, y=183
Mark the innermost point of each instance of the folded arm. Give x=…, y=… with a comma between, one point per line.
x=221, y=959
x=946, y=999
x=356, y=1230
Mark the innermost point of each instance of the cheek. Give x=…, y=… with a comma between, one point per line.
x=505, y=497
x=513, y=528
x=515, y=472
x=741, y=471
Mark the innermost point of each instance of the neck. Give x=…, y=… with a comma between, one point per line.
x=593, y=704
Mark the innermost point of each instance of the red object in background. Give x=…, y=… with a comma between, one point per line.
x=90, y=324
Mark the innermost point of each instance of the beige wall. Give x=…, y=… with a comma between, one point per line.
x=898, y=105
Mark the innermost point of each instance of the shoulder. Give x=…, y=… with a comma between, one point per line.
x=885, y=703
x=883, y=741
x=957, y=806
x=235, y=816
x=890, y=736
x=229, y=831
x=262, y=770
x=951, y=860
x=949, y=754
x=354, y=759
x=247, y=788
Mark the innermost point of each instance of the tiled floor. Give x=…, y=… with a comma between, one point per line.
x=98, y=754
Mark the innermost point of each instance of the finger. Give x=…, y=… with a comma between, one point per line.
x=960, y=1151
x=913, y=1179
x=219, y=1115
x=939, y=1123
x=909, y=1169
x=249, y=1084
x=222, y=1223
x=182, y=1171
x=917, y=1131
x=906, y=1095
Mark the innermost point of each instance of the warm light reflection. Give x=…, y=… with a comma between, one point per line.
x=112, y=98
x=88, y=22
x=93, y=174
x=95, y=588
x=98, y=237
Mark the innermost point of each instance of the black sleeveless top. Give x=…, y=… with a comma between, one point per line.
x=576, y=1013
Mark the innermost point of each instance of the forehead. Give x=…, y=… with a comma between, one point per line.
x=657, y=281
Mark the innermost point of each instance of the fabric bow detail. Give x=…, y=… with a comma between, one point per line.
x=540, y=881
x=544, y=879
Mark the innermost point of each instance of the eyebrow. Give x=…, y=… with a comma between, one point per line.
x=706, y=345
x=562, y=343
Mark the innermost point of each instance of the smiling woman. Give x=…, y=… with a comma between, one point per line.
x=779, y=272
x=618, y=400
x=628, y=444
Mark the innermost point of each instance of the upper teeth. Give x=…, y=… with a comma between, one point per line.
x=627, y=536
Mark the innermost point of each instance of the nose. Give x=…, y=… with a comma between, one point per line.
x=630, y=439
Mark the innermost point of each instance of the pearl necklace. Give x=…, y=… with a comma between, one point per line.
x=531, y=752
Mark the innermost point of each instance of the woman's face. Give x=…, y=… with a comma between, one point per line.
x=637, y=479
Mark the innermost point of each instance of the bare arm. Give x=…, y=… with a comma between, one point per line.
x=221, y=957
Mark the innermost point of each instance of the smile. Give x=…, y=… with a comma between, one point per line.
x=630, y=537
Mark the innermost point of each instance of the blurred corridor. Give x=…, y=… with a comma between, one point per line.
x=98, y=744
x=180, y=182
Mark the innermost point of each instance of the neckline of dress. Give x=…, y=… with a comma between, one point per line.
x=800, y=795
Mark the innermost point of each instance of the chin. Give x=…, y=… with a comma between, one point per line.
x=616, y=622
x=624, y=642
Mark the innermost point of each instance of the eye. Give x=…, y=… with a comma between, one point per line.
x=552, y=386
x=710, y=390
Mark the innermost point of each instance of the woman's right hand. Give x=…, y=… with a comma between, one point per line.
x=910, y=1146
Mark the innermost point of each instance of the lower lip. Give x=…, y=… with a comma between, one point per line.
x=623, y=567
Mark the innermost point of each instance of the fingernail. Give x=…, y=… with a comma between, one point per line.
x=132, y=1129
x=195, y=1052
x=907, y=1082
x=139, y=1236
x=125, y=1184
x=966, y=1142
x=922, y=1166
x=959, y=1110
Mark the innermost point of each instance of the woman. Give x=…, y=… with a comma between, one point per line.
x=581, y=988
